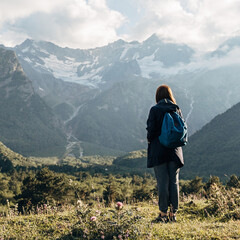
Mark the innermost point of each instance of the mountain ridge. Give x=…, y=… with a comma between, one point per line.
x=27, y=124
x=74, y=81
x=216, y=145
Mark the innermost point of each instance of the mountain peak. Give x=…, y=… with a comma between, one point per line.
x=9, y=62
x=26, y=43
x=25, y=117
x=117, y=43
x=153, y=39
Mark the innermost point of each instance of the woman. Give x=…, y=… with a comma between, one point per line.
x=165, y=161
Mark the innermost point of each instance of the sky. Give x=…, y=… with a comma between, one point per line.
x=201, y=24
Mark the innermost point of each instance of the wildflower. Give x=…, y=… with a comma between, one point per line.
x=119, y=205
x=102, y=237
x=93, y=218
x=38, y=209
x=120, y=237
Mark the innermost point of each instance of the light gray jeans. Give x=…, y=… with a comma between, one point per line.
x=167, y=175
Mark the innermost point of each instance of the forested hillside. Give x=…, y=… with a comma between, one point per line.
x=10, y=159
x=215, y=149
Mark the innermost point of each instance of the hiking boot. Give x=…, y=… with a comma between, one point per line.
x=163, y=219
x=172, y=218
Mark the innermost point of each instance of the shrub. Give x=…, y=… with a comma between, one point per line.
x=234, y=182
x=118, y=223
x=224, y=203
x=194, y=186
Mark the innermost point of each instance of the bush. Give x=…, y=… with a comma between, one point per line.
x=224, y=203
x=193, y=187
x=234, y=182
x=118, y=223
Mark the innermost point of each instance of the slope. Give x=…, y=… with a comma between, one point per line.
x=116, y=118
x=10, y=159
x=215, y=149
x=27, y=124
x=89, y=89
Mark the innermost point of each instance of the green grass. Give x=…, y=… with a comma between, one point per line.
x=134, y=221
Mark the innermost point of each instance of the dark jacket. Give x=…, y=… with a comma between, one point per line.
x=157, y=153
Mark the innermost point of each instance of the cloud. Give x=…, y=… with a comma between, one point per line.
x=202, y=24
x=12, y=10
x=72, y=23
x=229, y=58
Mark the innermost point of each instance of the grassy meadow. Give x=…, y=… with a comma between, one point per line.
x=90, y=199
x=198, y=218
x=134, y=221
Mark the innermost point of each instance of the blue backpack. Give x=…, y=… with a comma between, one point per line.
x=174, y=131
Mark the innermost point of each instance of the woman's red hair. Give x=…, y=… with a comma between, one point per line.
x=164, y=91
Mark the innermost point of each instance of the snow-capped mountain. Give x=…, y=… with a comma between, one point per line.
x=98, y=90
x=101, y=67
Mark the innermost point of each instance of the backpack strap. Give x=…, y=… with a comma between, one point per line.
x=166, y=100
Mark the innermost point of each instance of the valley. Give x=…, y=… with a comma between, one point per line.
x=79, y=128
x=100, y=98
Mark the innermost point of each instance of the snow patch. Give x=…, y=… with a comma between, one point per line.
x=124, y=52
x=43, y=51
x=126, y=49
x=60, y=69
x=67, y=70
x=92, y=75
x=27, y=59
x=136, y=56
x=25, y=50
x=148, y=65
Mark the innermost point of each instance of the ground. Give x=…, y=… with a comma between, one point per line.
x=132, y=221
